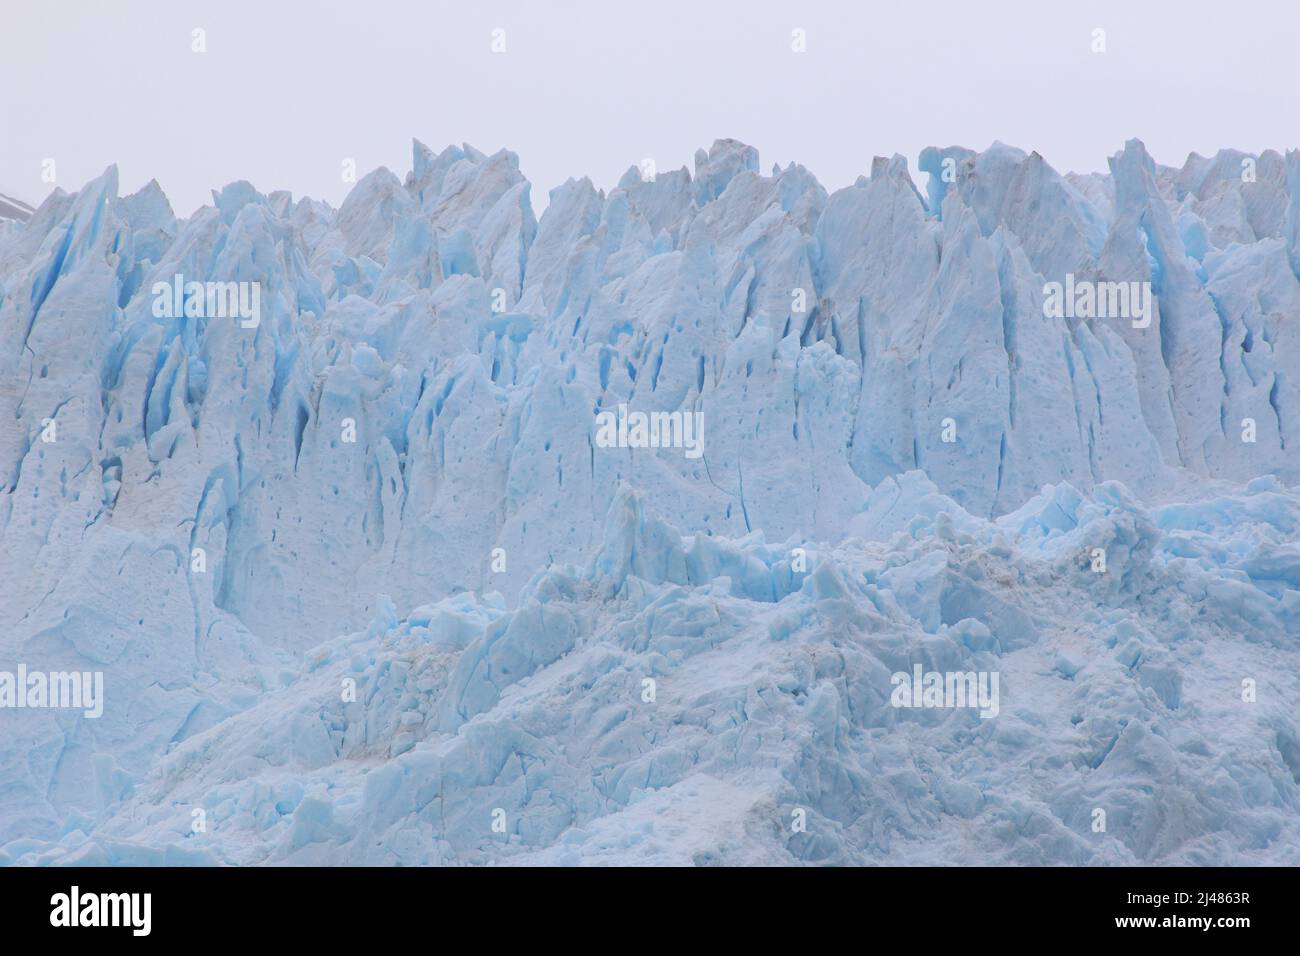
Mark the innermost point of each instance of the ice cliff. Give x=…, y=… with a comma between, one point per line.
x=365, y=588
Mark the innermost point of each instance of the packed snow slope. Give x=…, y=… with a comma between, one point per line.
x=561, y=652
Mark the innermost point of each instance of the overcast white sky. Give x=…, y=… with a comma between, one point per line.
x=288, y=88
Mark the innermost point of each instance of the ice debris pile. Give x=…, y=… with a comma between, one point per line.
x=364, y=587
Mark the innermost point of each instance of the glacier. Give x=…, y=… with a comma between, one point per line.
x=364, y=587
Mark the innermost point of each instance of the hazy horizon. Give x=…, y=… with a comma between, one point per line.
x=582, y=90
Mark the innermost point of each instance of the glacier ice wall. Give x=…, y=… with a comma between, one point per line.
x=498, y=587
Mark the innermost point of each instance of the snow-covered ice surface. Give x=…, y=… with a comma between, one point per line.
x=14, y=209
x=182, y=509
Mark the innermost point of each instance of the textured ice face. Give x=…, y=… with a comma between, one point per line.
x=380, y=520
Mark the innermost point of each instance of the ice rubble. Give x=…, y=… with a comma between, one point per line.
x=522, y=691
